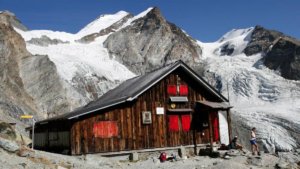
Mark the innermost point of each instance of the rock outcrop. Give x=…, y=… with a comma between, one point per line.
x=9, y=18
x=151, y=42
x=9, y=145
x=261, y=40
x=13, y=95
x=45, y=41
x=281, y=52
x=284, y=56
x=29, y=84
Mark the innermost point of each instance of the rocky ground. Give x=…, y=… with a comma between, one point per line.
x=14, y=154
x=39, y=159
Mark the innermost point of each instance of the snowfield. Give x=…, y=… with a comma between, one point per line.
x=261, y=97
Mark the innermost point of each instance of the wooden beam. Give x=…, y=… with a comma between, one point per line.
x=195, y=141
x=148, y=150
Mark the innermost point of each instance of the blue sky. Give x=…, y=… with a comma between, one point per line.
x=205, y=20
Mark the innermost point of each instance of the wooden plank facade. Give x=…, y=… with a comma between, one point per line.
x=121, y=127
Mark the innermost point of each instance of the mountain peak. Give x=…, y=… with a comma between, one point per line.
x=102, y=22
x=153, y=13
x=155, y=10
x=235, y=33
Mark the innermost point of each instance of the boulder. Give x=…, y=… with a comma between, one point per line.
x=134, y=156
x=282, y=164
x=9, y=145
x=256, y=161
x=7, y=131
x=25, y=152
x=182, y=152
x=204, y=151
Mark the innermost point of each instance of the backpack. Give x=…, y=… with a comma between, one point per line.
x=163, y=157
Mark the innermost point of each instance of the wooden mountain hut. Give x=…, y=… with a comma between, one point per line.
x=169, y=107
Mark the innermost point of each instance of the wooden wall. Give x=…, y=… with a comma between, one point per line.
x=134, y=135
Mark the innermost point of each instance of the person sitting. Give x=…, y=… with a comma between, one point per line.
x=234, y=144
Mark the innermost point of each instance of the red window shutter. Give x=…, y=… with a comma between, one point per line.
x=105, y=129
x=173, y=123
x=172, y=90
x=186, y=122
x=183, y=90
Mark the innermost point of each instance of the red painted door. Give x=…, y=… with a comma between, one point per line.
x=215, y=125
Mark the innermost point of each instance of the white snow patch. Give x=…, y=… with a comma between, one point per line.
x=85, y=59
x=104, y=21
x=237, y=39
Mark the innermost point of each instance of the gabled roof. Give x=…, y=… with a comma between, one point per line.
x=132, y=88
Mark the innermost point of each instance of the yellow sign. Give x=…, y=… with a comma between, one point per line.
x=26, y=117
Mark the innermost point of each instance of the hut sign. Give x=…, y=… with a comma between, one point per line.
x=147, y=117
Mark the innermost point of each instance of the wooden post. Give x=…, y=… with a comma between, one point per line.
x=210, y=131
x=194, y=141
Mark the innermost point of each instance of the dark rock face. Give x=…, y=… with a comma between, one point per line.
x=150, y=42
x=9, y=18
x=285, y=57
x=227, y=50
x=261, y=40
x=281, y=52
x=45, y=41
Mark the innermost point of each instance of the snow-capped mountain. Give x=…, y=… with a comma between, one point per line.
x=59, y=71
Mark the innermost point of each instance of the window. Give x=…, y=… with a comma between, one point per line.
x=176, y=120
x=172, y=90
x=105, y=129
x=173, y=123
x=183, y=90
x=186, y=122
